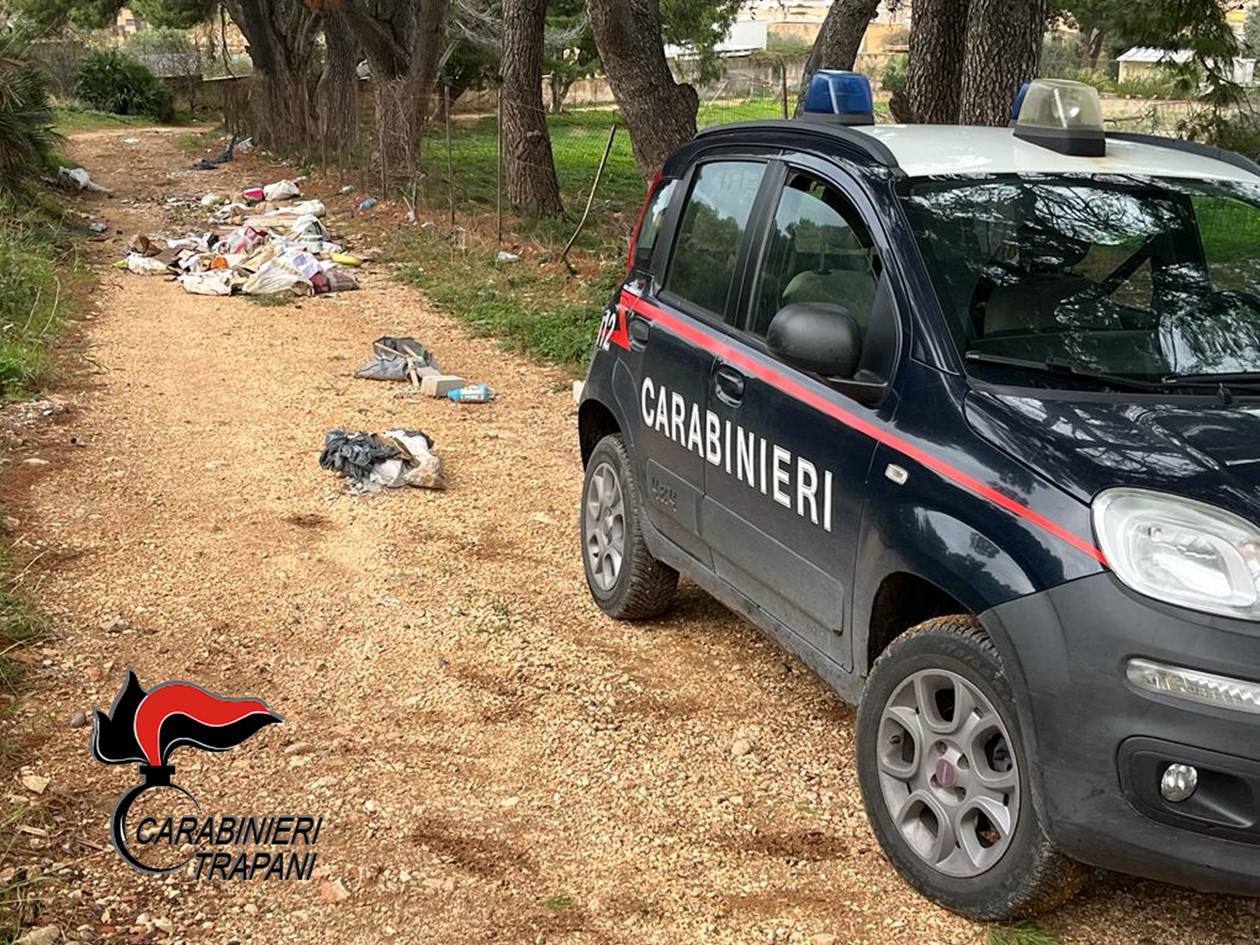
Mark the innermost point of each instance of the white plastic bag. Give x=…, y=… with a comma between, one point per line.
x=145, y=265
x=281, y=190
x=213, y=282
x=77, y=178
x=312, y=207
x=308, y=230
x=276, y=276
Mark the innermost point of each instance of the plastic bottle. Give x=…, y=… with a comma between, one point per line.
x=472, y=394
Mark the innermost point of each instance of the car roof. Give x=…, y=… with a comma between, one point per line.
x=931, y=150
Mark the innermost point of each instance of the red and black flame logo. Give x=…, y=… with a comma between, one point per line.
x=145, y=727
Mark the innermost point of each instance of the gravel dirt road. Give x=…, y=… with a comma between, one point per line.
x=494, y=760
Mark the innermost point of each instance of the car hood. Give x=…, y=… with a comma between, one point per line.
x=1207, y=452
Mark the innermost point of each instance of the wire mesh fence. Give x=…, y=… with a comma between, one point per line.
x=462, y=179
x=462, y=175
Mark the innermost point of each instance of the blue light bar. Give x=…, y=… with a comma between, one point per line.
x=842, y=96
x=1019, y=101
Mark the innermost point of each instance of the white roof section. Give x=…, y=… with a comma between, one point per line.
x=1154, y=54
x=929, y=150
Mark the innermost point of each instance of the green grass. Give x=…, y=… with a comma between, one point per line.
x=556, y=903
x=1020, y=935
x=271, y=299
x=537, y=309
x=74, y=118
x=32, y=299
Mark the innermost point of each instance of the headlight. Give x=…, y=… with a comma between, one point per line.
x=1181, y=551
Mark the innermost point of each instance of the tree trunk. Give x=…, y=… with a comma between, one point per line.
x=280, y=114
x=402, y=41
x=839, y=40
x=934, y=72
x=1003, y=50
x=531, y=170
x=280, y=34
x=660, y=113
x=337, y=94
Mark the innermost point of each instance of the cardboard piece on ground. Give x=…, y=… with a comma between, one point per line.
x=438, y=385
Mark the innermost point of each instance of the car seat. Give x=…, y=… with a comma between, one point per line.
x=1027, y=294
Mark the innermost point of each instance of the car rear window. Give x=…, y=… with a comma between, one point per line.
x=713, y=222
x=650, y=225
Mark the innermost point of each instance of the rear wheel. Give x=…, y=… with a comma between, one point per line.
x=944, y=777
x=624, y=578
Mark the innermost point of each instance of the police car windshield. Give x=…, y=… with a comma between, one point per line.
x=1153, y=279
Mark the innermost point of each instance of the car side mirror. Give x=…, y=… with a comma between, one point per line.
x=816, y=336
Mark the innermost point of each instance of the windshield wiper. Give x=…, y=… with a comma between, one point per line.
x=1064, y=367
x=1208, y=379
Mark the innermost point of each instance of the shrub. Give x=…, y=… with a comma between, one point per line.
x=171, y=53
x=111, y=81
x=893, y=78
x=26, y=120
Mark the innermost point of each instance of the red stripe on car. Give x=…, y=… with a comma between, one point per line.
x=804, y=394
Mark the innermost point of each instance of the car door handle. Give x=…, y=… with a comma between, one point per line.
x=640, y=328
x=729, y=383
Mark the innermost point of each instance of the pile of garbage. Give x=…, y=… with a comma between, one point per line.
x=375, y=461
x=255, y=248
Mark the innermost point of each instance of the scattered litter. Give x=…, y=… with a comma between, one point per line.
x=472, y=394
x=439, y=385
x=77, y=178
x=398, y=359
x=143, y=265
x=372, y=461
x=281, y=190
x=212, y=200
x=130, y=140
x=577, y=391
x=254, y=195
x=367, y=203
x=504, y=256
x=345, y=189
x=98, y=227
x=345, y=259
x=209, y=164
x=245, y=146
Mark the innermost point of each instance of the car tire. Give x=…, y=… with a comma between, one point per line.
x=623, y=577
x=947, y=793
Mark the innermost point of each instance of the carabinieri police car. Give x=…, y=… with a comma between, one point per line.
x=969, y=420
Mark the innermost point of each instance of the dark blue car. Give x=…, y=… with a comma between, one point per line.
x=969, y=420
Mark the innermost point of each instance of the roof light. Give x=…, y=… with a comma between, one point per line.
x=1063, y=116
x=1019, y=102
x=839, y=96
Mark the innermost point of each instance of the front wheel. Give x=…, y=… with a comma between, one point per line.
x=624, y=578
x=944, y=776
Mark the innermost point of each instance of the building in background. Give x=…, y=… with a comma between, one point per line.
x=127, y=23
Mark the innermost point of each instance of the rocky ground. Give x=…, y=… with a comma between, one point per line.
x=493, y=759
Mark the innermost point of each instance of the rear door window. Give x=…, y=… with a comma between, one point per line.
x=702, y=270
